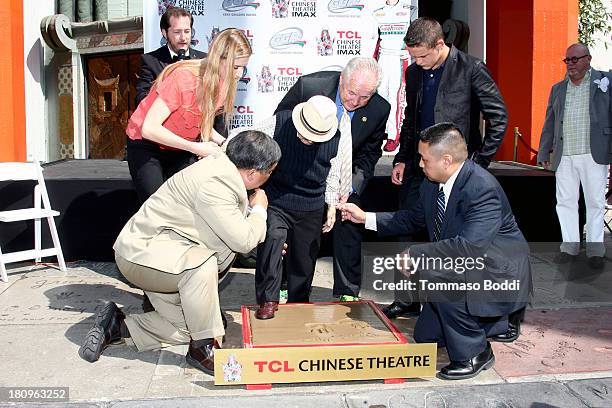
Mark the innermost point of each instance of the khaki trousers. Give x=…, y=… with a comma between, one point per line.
x=186, y=305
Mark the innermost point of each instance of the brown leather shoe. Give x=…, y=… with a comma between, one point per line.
x=266, y=310
x=203, y=357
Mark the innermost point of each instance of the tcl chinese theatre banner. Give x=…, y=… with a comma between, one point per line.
x=290, y=38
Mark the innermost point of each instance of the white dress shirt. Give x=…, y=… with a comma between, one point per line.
x=370, y=221
x=174, y=54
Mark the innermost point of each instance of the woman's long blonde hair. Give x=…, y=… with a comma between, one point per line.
x=229, y=45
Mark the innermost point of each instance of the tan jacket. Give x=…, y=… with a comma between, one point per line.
x=198, y=213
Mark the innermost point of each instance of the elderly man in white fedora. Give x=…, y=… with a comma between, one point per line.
x=312, y=172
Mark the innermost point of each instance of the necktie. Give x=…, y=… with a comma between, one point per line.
x=439, y=220
x=346, y=146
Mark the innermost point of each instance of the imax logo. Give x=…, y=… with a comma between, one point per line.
x=237, y=5
x=342, y=6
x=288, y=37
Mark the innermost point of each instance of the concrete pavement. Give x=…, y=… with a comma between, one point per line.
x=563, y=358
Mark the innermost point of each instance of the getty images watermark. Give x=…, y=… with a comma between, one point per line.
x=409, y=265
x=446, y=273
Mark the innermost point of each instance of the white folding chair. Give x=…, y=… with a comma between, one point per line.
x=607, y=220
x=22, y=172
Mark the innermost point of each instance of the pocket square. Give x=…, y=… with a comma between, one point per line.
x=602, y=83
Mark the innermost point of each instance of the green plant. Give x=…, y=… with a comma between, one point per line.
x=593, y=17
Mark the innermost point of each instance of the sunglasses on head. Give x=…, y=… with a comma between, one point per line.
x=573, y=60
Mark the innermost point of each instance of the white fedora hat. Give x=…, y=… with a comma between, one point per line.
x=316, y=120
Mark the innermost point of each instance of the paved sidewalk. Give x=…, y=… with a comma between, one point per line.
x=563, y=358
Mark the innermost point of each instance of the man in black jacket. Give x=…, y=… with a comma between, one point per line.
x=176, y=25
x=443, y=84
x=353, y=90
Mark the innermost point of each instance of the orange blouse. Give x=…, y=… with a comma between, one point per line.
x=178, y=91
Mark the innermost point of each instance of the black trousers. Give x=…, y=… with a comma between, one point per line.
x=409, y=190
x=452, y=326
x=408, y=197
x=151, y=166
x=301, y=230
x=347, y=238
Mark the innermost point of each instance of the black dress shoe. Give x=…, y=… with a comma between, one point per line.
x=146, y=304
x=401, y=309
x=248, y=260
x=224, y=319
x=201, y=355
x=105, y=331
x=596, y=262
x=514, y=328
x=461, y=370
x=510, y=335
x=564, y=258
x=223, y=274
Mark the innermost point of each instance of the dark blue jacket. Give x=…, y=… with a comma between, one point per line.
x=478, y=221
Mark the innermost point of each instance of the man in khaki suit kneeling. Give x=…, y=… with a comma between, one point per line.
x=175, y=245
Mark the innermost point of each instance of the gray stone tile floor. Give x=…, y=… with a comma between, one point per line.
x=45, y=313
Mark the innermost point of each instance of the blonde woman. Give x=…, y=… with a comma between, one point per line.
x=173, y=125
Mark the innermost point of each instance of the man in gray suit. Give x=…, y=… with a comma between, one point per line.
x=575, y=144
x=175, y=245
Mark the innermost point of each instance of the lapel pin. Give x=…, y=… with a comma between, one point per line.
x=364, y=119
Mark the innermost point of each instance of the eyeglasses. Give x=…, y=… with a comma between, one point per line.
x=573, y=60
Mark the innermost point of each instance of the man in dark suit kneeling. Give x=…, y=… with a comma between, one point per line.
x=467, y=216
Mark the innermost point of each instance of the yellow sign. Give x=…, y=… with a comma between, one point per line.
x=325, y=363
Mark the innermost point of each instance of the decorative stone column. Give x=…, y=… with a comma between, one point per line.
x=66, y=7
x=57, y=32
x=84, y=11
x=101, y=10
x=76, y=40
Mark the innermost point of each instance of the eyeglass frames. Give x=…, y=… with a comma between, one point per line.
x=573, y=60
